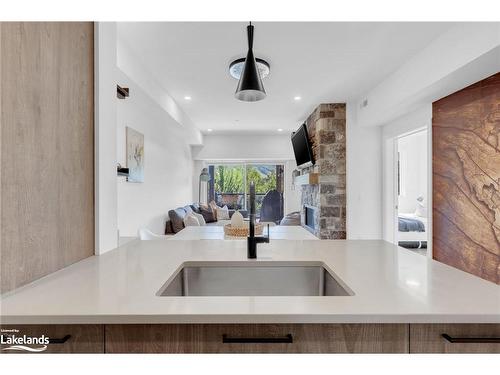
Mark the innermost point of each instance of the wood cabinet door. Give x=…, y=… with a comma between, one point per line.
x=47, y=148
x=257, y=338
x=428, y=338
x=63, y=338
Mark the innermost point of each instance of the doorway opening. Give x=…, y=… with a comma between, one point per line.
x=411, y=172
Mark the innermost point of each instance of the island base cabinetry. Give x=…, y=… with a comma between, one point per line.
x=257, y=338
x=454, y=338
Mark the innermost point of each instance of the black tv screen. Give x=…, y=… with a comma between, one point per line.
x=302, y=148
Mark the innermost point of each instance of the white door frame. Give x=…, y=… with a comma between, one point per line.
x=390, y=195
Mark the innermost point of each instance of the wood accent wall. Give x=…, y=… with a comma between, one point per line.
x=466, y=179
x=47, y=148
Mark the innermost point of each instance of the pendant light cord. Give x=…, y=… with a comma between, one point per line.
x=250, y=35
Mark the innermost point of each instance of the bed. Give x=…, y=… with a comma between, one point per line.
x=412, y=231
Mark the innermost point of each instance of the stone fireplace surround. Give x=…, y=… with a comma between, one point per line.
x=326, y=127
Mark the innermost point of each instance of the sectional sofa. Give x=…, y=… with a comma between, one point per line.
x=175, y=220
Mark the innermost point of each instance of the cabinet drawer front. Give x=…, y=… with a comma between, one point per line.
x=257, y=338
x=459, y=338
x=63, y=338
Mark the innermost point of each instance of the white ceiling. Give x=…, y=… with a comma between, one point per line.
x=321, y=62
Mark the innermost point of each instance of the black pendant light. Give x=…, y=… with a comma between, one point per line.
x=250, y=88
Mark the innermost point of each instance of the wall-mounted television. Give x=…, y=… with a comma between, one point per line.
x=302, y=147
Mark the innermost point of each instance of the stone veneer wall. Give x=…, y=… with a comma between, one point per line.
x=327, y=131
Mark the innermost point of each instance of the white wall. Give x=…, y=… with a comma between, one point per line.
x=409, y=122
x=133, y=66
x=400, y=104
x=249, y=147
x=168, y=163
x=168, y=136
x=466, y=53
x=106, y=235
x=245, y=147
x=413, y=166
x=364, y=179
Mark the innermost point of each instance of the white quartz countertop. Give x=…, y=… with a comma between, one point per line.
x=390, y=285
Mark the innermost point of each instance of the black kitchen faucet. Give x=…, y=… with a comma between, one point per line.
x=252, y=240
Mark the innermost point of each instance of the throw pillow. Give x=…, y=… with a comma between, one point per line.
x=223, y=213
x=176, y=218
x=200, y=218
x=207, y=214
x=213, y=206
x=195, y=207
x=191, y=221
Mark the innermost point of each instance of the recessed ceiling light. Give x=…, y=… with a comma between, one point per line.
x=297, y=98
x=187, y=97
x=280, y=130
x=209, y=130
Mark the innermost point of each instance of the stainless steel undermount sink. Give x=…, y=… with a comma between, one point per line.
x=263, y=278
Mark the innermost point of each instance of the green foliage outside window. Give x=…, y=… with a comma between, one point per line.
x=229, y=179
x=264, y=178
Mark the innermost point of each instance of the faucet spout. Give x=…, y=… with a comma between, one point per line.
x=252, y=240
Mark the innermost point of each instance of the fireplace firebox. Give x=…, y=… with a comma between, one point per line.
x=310, y=217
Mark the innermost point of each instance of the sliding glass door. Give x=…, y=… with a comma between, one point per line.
x=230, y=185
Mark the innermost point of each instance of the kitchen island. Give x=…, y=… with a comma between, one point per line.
x=394, y=292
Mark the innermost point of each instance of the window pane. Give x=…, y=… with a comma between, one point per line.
x=268, y=180
x=229, y=186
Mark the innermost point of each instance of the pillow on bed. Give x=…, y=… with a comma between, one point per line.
x=421, y=210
